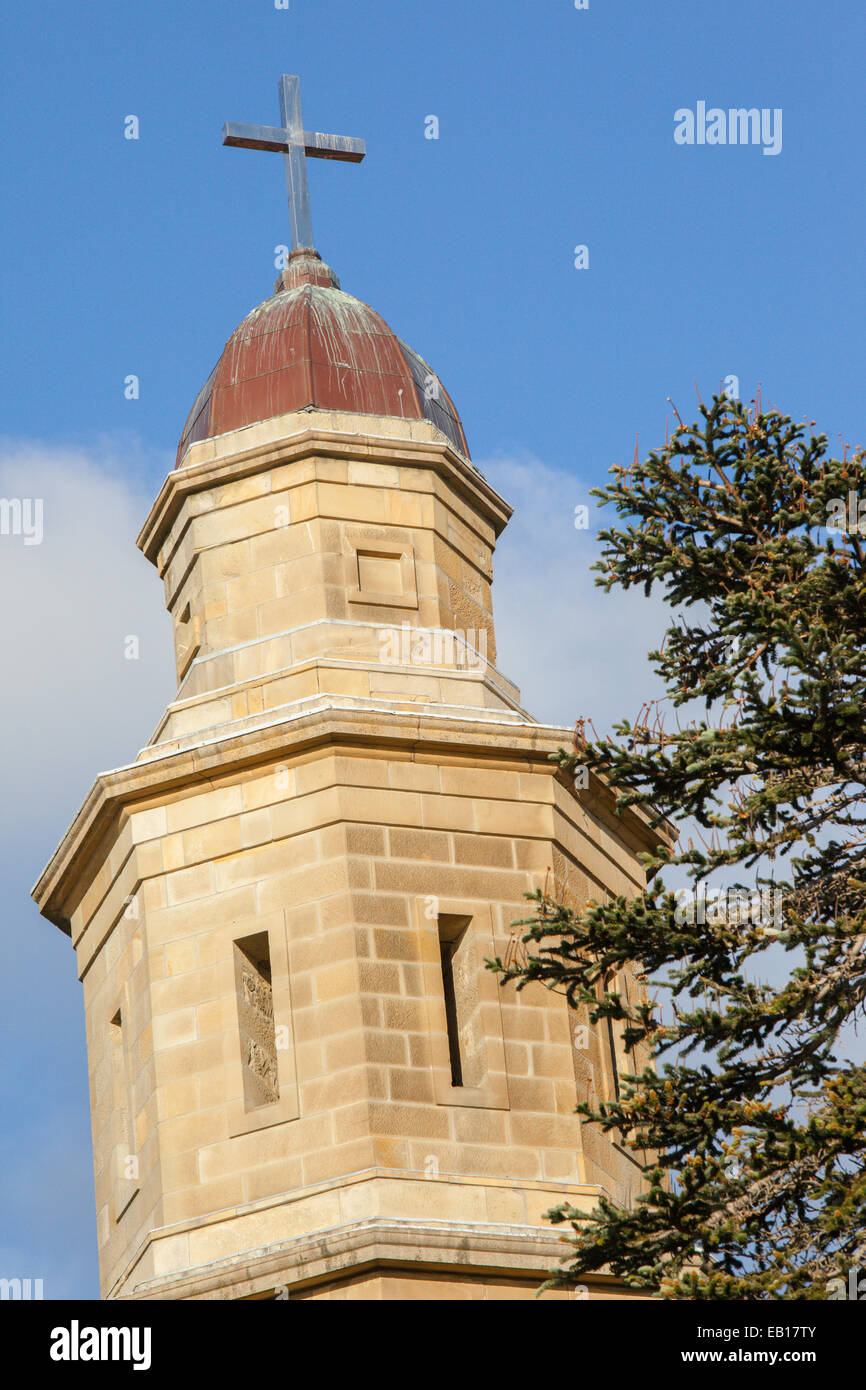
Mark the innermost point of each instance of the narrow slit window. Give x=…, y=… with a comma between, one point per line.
x=125, y=1158
x=466, y=1043
x=255, y=1001
x=118, y=1075
x=614, y=1060
x=621, y=1060
x=446, y=949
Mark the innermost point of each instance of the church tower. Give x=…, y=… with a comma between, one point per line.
x=304, y=1081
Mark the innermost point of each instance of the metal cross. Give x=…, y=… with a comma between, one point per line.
x=295, y=143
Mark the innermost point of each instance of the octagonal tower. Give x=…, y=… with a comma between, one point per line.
x=304, y=1081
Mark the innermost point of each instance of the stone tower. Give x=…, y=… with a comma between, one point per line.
x=304, y=1081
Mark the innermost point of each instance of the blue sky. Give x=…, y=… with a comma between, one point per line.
x=555, y=129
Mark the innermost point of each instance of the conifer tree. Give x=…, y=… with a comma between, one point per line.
x=753, y=1119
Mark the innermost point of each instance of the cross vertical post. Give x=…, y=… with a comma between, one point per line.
x=297, y=184
x=295, y=144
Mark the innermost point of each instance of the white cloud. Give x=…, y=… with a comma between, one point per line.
x=70, y=703
x=575, y=651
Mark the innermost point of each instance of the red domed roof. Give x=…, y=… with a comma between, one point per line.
x=312, y=346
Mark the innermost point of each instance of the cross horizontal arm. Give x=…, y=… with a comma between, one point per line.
x=255, y=137
x=334, y=146
x=268, y=137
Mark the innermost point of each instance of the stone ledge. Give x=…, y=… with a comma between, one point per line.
x=197, y=684
x=332, y=725
x=472, y=1248
x=285, y=444
x=147, y=1267
x=166, y=742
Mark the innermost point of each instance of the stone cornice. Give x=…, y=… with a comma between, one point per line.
x=217, y=469
x=333, y=725
x=500, y=1251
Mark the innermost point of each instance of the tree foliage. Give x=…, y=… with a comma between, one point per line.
x=754, y=1119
